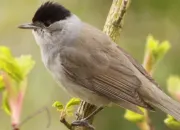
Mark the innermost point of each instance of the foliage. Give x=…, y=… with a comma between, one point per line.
x=172, y=123
x=13, y=81
x=157, y=49
x=17, y=68
x=154, y=52
x=68, y=109
x=59, y=106
x=134, y=117
x=1, y=84
x=173, y=86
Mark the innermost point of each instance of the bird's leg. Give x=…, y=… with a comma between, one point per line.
x=84, y=122
x=94, y=113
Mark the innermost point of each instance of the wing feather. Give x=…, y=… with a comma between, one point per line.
x=102, y=67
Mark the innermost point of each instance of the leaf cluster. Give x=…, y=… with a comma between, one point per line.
x=13, y=73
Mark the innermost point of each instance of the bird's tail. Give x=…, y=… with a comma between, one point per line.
x=165, y=103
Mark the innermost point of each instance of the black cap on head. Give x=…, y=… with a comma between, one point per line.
x=50, y=12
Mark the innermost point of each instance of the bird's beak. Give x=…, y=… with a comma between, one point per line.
x=28, y=26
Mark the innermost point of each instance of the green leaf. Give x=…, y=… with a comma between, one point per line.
x=134, y=117
x=73, y=102
x=70, y=111
x=152, y=44
x=155, y=49
x=172, y=123
x=173, y=86
x=25, y=63
x=8, y=64
x=2, y=86
x=59, y=106
x=162, y=49
x=173, y=83
x=70, y=105
x=17, y=68
x=10, y=67
x=5, y=51
x=5, y=105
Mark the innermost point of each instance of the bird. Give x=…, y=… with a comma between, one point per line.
x=87, y=64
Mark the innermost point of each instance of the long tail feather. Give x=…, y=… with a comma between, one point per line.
x=156, y=97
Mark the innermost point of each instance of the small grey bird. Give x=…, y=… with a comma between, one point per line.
x=89, y=65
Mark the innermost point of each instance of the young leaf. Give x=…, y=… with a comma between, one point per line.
x=73, y=102
x=155, y=49
x=8, y=64
x=5, y=105
x=173, y=86
x=152, y=44
x=70, y=111
x=173, y=83
x=5, y=51
x=134, y=117
x=172, y=123
x=2, y=86
x=25, y=63
x=17, y=68
x=59, y=106
x=162, y=49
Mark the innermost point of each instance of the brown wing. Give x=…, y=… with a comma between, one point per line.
x=139, y=67
x=100, y=66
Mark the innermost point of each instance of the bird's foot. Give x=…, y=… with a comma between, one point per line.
x=77, y=115
x=84, y=123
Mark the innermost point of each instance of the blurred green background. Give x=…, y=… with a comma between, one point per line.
x=157, y=17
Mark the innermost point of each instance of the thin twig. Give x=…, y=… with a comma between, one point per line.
x=36, y=113
x=68, y=125
x=14, y=127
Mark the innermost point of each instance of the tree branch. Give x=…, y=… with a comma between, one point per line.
x=112, y=28
x=67, y=124
x=115, y=18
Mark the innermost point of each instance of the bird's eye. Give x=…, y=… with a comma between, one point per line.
x=47, y=23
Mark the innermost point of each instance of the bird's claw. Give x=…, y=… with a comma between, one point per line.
x=77, y=115
x=82, y=123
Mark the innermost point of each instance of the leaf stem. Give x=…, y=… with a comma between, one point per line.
x=68, y=125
